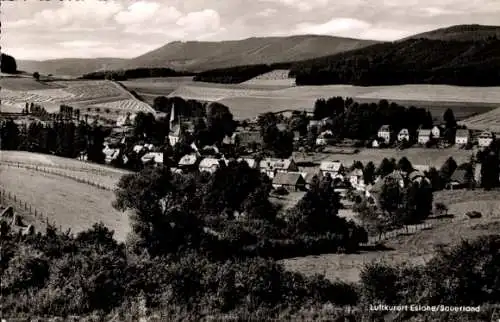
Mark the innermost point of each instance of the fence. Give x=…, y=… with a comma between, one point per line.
x=45, y=169
x=410, y=229
x=8, y=198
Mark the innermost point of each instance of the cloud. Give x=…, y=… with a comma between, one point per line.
x=301, y=5
x=138, y=12
x=334, y=26
x=267, y=12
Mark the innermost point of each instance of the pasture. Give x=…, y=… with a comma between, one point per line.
x=487, y=121
x=66, y=202
x=417, y=156
x=415, y=248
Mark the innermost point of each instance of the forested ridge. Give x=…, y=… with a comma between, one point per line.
x=412, y=61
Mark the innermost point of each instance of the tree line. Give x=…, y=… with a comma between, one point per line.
x=122, y=75
x=413, y=61
x=8, y=64
x=238, y=74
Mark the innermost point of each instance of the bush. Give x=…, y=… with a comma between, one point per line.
x=281, y=191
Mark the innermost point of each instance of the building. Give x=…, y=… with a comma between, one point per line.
x=156, y=157
x=334, y=168
x=404, y=134
x=126, y=120
x=422, y=167
x=385, y=133
x=291, y=181
x=436, y=132
x=356, y=179
x=375, y=143
x=373, y=193
x=210, y=165
x=424, y=136
x=484, y=139
x=459, y=179
x=313, y=124
x=247, y=138
x=462, y=137
x=324, y=138
x=110, y=154
x=188, y=162
x=272, y=166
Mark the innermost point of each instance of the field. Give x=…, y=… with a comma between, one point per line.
x=487, y=121
x=418, y=247
x=79, y=94
x=417, y=156
x=67, y=203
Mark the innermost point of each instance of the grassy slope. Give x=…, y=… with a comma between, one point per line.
x=415, y=248
x=67, y=66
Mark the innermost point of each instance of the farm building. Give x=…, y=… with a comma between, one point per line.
x=271, y=166
x=188, y=162
x=210, y=165
x=156, y=157
x=385, y=133
x=424, y=136
x=334, y=168
x=485, y=138
x=462, y=137
x=404, y=134
x=247, y=138
x=292, y=181
x=436, y=131
x=356, y=179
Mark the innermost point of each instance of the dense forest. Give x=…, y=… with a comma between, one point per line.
x=121, y=75
x=413, y=61
x=238, y=74
x=8, y=64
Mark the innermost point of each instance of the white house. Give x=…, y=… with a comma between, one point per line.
x=424, y=136
x=157, y=157
x=436, y=132
x=385, y=133
x=462, y=137
x=404, y=134
x=210, y=165
x=323, y=138
x=272, y=166
x=356, y=179
x=484, y=140
x=188, y=161
x=375, y=143
x=251, y=162
x=334, y=168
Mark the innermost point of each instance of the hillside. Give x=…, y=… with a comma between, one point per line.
x=67, y=66
x=199, y=56
x=460, y=33
x=412, y=61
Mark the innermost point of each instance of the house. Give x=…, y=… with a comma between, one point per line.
x=272, y=166
x=174, y=135
x=209, y=150
x=459, y=179
x=356, y=179
x=110, y=154
x=291, y=181
x=417, y=176
x=424, y=136
x=462, y=137
x=436, y=132
x=138, y=148
x=334, y=168
x=324, y=138
x=310, y=176
x=188, y=162
x=484, y=139
x=404, y=134
x=385, y=133
x=156, y=157
x=210, y=165
x=375, y=143
x=126, y=120
x=247, y=138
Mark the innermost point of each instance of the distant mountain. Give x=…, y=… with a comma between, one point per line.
x=199, y=56
x=458, y=59
x=460, y=33
x=68, y=66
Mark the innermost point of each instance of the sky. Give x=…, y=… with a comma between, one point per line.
x=34, y=29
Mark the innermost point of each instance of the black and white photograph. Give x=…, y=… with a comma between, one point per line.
x=249, y=160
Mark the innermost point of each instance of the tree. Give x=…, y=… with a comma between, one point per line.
x=369, y=173
x=447, y=169
x=8, y=64
x=219, y=122
x=405, y=165
x=490, y=171
x=36, y=76
x=449, y=119
x=385, y=167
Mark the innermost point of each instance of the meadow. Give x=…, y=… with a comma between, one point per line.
x=65, y=202
x=417, y=156
x=416, y=247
